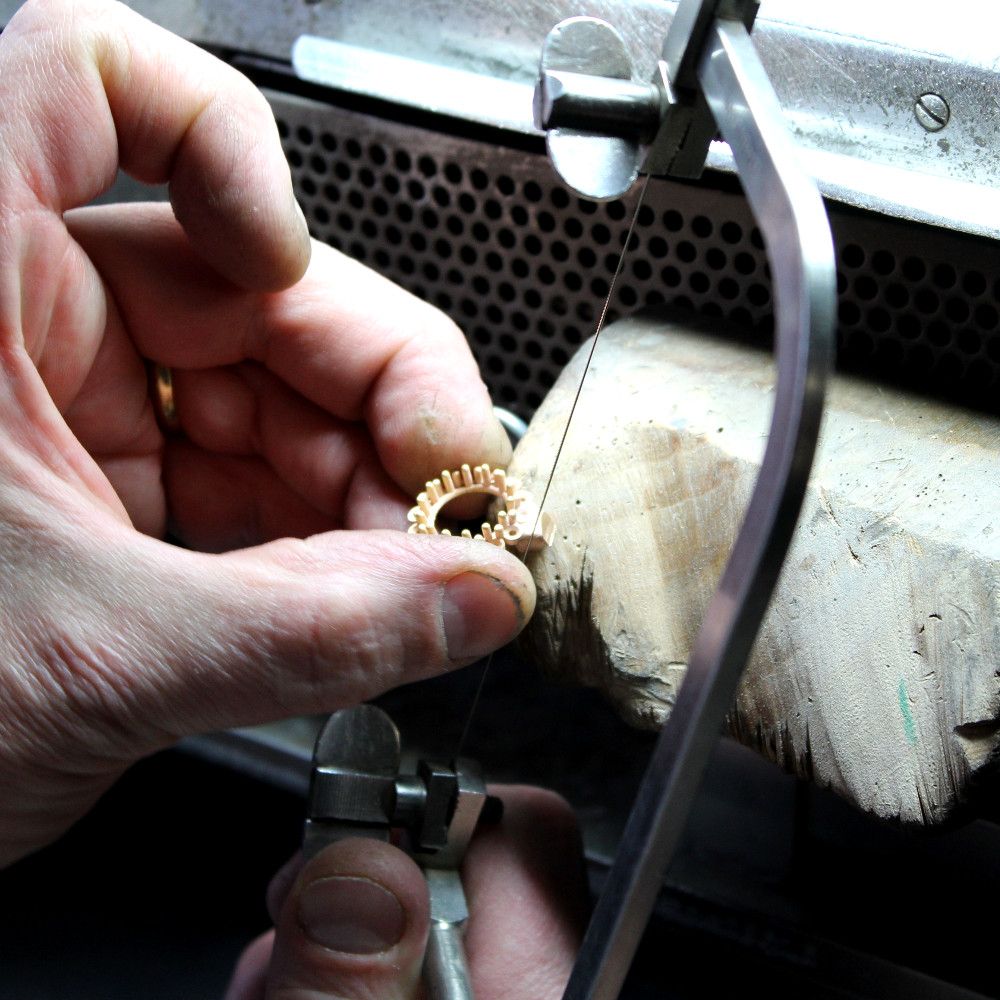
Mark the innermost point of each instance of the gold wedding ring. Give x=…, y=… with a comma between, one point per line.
x=161, y=391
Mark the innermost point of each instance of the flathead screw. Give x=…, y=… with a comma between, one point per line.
x=932, y=111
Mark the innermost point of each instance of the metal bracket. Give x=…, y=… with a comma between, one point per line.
x=709, y=75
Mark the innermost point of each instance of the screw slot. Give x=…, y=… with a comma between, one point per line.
x=932, y=111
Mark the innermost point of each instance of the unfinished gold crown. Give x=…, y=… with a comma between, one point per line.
x=518, y=524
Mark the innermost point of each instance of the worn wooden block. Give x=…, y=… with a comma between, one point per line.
x=877, y=670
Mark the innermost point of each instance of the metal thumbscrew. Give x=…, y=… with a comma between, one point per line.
x=932, y=112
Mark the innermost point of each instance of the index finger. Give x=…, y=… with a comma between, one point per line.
x=117, y=89
x=344, y=338
x=382, y=355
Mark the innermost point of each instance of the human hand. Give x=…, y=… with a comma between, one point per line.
x=313, y=396
x=352, y=923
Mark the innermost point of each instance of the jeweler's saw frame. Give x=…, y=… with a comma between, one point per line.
x=603, y=130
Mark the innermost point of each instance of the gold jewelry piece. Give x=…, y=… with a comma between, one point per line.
x=518, y=523
x=161, y=391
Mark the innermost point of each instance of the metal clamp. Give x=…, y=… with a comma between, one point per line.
x=709, y=76
x=356, y=790
x=603, y=128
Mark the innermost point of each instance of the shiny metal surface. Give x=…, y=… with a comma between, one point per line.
x=445, y=90
x=791, y=215
x=847, y=76
x=354, y=768
x=462, y=821
x=448, y=905
x=686, y=39
x=586, y=101
x=446, y=971
x=515, y=427
x=588, y=54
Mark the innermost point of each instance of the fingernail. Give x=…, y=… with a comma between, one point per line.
x=351, y=915
x=480, y=615
x=296, y=206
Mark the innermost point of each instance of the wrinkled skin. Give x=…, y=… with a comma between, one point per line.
x=313, y=397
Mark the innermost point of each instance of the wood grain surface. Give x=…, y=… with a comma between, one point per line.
x=877, y=670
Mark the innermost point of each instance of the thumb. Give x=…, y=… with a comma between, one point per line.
x=114, y=645
x=306, y=626
x=353, y=926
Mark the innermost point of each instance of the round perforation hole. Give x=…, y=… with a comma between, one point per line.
x=492, y=237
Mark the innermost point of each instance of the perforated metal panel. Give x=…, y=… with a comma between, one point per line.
x=491, y=236
x=920, y=305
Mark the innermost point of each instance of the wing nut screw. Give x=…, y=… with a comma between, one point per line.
x=518, y=524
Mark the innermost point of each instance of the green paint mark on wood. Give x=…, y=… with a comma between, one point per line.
x=909, y=726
